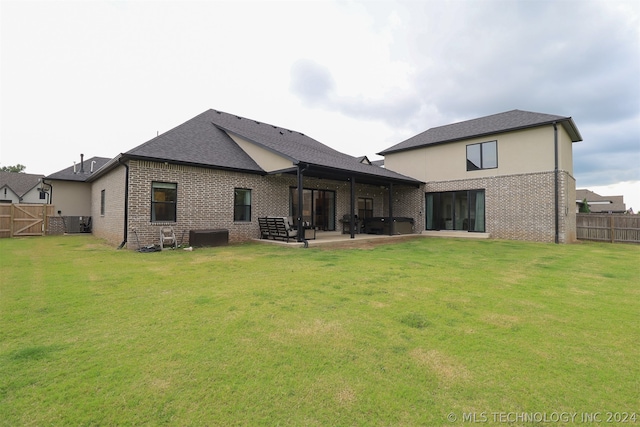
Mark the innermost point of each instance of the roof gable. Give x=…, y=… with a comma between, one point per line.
x=197, y=142
x=297, y=146
x=18, y=182
x=206, y=141
x=489, y=125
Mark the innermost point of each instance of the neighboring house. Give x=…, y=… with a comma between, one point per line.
x=600, y=204
x=508, y=174
x=18, y=187
x=219, y=170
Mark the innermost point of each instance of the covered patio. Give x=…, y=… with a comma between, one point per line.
x=337, y=238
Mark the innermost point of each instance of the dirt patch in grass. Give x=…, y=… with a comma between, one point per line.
x=445, y=367
x=345, y=396
x=365, y=244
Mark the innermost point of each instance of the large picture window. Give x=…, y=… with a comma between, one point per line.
x=482, y=156
x=456, y=210
x=164, y=198
x=241, y=204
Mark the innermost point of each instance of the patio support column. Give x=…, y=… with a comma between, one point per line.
x=352, y=225
x=300, y=236
x=391, y=222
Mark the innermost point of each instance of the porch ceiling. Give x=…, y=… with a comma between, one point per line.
x=323, y=172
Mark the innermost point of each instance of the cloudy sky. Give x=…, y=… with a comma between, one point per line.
x=101, y=77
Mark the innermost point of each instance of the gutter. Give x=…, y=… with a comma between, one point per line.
x=50, y=188
x=126, y=203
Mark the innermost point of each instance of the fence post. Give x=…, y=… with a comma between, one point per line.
x=611, y=229
x=12, y=221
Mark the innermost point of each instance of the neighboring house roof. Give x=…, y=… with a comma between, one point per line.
x=598, y=203
x=18, y=182
x=204, y=141
x=489, y=125
x=80, y=172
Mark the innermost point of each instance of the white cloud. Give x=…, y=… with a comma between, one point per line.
x=102, y=77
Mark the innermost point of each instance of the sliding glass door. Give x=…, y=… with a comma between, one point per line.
x=318, y=208
x=455, y=210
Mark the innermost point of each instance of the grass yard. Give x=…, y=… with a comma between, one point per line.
x=425, y=332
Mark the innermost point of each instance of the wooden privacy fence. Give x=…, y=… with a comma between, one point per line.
x=608, y=227
x=24, y=219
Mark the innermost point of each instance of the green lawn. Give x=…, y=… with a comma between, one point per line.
x=424, y=332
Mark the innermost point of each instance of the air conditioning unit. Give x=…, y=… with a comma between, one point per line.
x=77, y=224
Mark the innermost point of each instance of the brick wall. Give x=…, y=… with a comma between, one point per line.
x=205, y=201
x=56, y=225
x=521, y=207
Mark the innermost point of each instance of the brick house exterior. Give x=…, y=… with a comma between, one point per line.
x=520, y=187
x=520, y=207
x=205, y=181
x=270, y=197
x=523, y=199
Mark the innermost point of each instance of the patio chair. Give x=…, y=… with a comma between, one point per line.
x=167, y=236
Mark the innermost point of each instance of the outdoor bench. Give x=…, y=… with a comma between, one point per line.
x=276, y=228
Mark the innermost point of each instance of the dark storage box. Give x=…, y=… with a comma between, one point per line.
x=202, y=238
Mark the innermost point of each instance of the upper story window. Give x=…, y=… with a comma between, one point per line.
x=242, y=204
x=164, y=198
x=482, y=156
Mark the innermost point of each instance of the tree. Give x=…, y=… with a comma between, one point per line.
x=16, y=168
x=584, y=206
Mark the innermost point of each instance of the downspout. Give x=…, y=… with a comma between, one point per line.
x=301, y=237
x=555, y=183
x=50, y=194
x=126, y=203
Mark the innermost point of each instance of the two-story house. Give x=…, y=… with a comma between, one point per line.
x=508, y=174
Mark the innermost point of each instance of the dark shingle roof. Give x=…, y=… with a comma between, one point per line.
x=198, y=142
x=75, y=173
x=598, y=203
x=489, y=125
x=204, y=141
x=299, y=147
x=19, y=183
